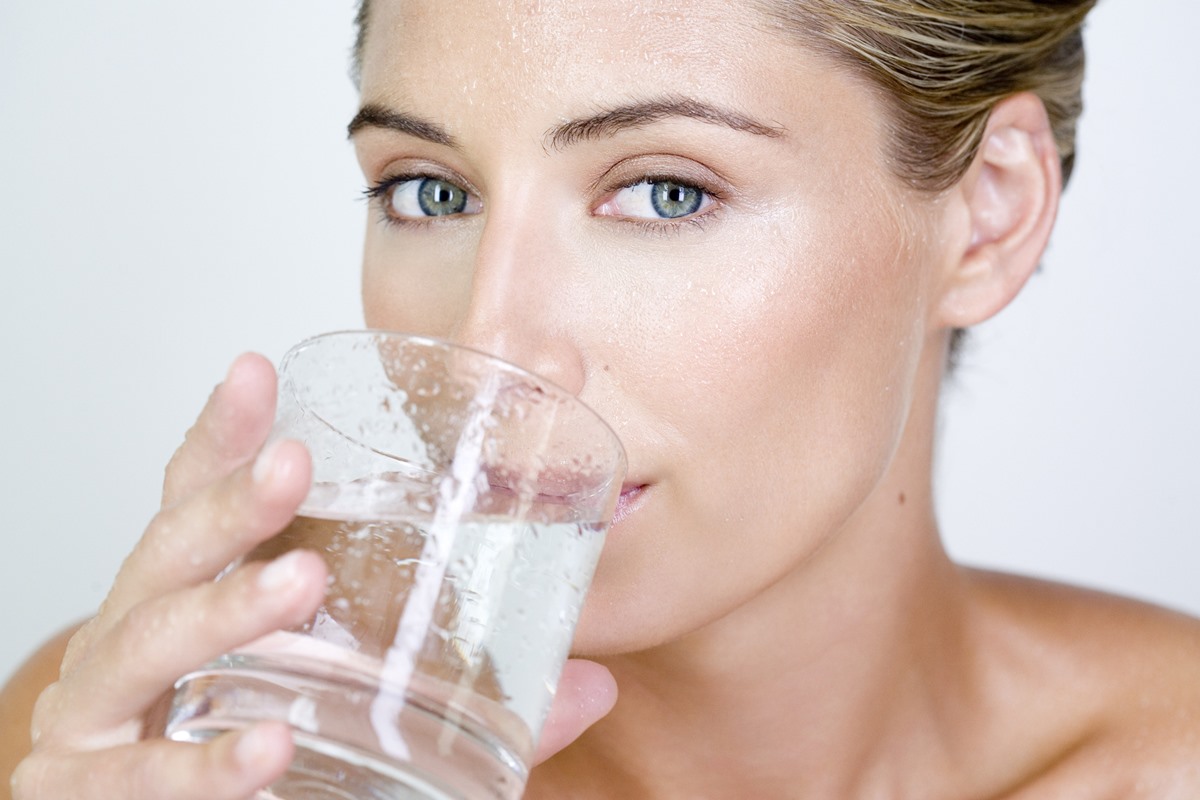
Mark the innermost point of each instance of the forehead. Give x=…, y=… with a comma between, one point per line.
x=544, y=55
x=660, y=30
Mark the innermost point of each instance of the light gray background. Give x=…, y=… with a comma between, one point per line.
x=175, y=188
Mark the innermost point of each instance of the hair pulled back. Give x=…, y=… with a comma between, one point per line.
x=941, y=65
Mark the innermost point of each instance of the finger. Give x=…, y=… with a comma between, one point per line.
x=586, y=693
x=95, y=705
x=231, y=767
x=229, y=431
x=192, y=541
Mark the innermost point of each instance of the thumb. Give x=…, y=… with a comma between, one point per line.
x=586, y=692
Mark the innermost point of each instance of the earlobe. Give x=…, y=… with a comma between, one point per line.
x=1010, y=195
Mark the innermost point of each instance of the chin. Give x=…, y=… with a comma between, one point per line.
x=609, y=627
x=619, y=619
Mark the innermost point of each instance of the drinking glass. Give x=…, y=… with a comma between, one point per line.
x=460, y=504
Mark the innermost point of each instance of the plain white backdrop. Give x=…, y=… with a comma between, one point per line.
x=176, y=188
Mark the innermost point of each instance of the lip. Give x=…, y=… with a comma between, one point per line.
x=632, y=497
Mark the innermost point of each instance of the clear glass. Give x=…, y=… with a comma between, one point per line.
x=460, y=504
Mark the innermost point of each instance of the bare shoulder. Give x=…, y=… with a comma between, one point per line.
x=1117, y=680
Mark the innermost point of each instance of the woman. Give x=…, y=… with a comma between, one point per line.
x=746, y=236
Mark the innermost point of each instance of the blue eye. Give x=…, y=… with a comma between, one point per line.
x=438, y=198
x=674, y=200
x=657, y=199
x=424, y=196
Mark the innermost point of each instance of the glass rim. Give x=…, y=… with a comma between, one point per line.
x=436, y=343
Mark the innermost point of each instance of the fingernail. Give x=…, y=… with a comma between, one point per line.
x=264, y=465
x=280, y=573
x=253, y=746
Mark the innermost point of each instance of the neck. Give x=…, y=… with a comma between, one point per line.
x=827, y=684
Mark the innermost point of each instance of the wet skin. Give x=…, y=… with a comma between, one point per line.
x=689, y=221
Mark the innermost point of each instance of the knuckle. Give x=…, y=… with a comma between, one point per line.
x=189, y=618
x=172, y=537
x=175, y=475
x=136, y=646
x=178, y=458
x=28, y=781
x=198, y=536
x=145, y=558
x=45, y=711
x=134, y=641
x=190, y=454
x=138, y=618
x=161, y=539
x=78, y=645
x=142, y=623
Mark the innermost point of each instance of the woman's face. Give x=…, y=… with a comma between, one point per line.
x=685, y=218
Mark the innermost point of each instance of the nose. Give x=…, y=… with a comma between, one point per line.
x=520, y=306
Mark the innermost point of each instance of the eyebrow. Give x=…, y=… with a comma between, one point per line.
x=612, y=121
x=373, y=115
x=604, y=124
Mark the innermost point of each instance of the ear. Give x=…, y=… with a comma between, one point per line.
x=1010, y=197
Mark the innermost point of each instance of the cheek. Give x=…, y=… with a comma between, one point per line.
x=810, y=384
x=777, y=396
x=812, y=324
x=416, y=284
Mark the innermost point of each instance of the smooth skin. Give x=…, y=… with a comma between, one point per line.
x=774, y=601
x=164, y=616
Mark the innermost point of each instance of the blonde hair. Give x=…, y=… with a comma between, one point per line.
x=943, y=64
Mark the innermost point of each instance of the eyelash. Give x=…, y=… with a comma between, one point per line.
x=377, y=194
x=667, y=227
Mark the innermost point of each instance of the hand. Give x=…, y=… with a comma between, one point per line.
x=165, y=616
x=586, y=692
